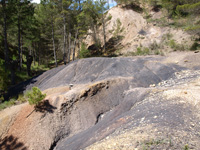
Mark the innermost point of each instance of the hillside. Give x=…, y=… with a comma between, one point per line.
x=115, y=103
x=37, y=37
x=127, y=30
x=104, y=102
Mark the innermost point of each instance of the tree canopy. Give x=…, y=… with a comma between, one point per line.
x=46, y=34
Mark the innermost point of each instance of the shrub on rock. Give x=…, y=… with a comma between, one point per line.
x=35, y=96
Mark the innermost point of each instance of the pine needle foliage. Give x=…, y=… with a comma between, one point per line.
x=35, y=96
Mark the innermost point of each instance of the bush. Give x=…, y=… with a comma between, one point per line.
x=142, y=51
x=195, y=46
x=175, y=46
x=117, y=28
x=35, y=96
x=109, y=18
x=172, y=44
x=21, y=98
x=84, y=53
x=7, y=104
x=154, y=46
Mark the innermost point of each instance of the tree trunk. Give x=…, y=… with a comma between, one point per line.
x=73, y=58
x=64, y=36
x=30, y=51
x=39, y=59
x=69, y=47
x=6, y=52
x=94, y=35
x=13, y=66
x=21, y=54
x=19, y=42
x=104, y=31
x=12, y=76
x=64, y=40
x=54, y=48
x=79, y=48
x=34, y=57
x=35, y=53
x=29, y=60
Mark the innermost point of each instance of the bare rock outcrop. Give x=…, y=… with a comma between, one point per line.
x=133, y=31
x=114, y=103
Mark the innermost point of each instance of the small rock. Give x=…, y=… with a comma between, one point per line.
x=152, y=85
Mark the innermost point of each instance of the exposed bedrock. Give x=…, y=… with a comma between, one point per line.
x=109, y=95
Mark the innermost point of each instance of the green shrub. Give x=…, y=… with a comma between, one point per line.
x=167, y=36
x=175, y=46
x=84, y=53
x=35, y=96
x=109, y=18
x=7, y=104
x=21, y=98
x=186, y=147
x=172, y=44
x=117, y=28
x=142, y=51
x=158, y=52
x=195, y=46
x=139, y=51
x=154, y=46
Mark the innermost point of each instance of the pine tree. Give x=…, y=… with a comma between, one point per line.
x=6, y=51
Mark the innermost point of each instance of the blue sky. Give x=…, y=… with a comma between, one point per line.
x=112, y=2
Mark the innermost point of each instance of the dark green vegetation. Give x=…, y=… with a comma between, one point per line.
x=7, y=104
x=34, y=96
x=36, y=37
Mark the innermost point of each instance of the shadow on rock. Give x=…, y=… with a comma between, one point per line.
x=45, y=106
x=11, y=143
